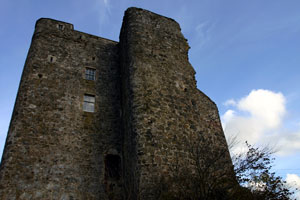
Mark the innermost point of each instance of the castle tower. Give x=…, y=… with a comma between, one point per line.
x=166, y=116
x=66, y=118
x=97, y=119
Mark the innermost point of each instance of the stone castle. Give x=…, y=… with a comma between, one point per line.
x=99, y=119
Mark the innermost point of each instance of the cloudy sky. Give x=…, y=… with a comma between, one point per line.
x=245, y=53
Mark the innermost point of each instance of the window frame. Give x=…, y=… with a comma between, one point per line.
x=60, y=27
x=90, y=74
x=89, y=103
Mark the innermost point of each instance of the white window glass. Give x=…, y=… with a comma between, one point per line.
x=90, y=74
x=89, y=103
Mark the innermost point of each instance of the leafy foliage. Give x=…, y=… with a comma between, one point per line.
x=253, y=179
x=253, y=170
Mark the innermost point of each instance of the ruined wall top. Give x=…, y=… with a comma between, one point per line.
x=66, y=30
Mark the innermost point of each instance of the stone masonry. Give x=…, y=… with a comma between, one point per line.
x=146, y=111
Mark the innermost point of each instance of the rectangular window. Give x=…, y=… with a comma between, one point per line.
x=60, y=27
x=90, y=74
x=89, y=103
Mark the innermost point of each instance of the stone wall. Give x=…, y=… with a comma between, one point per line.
x=164, y=112
x=55, y=150
x=148, y=113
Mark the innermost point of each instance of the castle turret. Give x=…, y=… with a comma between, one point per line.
x=166, y=118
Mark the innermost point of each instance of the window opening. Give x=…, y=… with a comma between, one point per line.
x=51, y=58
x=90, y=74
x=89, y=103
x=113, y=166
x=60, y=27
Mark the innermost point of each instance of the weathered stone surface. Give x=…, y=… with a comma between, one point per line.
x=147, y=110
x=162, y=108
x=54, y=149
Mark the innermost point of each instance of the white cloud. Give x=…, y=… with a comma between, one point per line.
x=105, y=2
x=258, y=119
x=103, y=8
x=230, y=102
x=246, y=128
x=293, y=181
x=228, y=116
x=288, y=143
x=203, y=31
x=264, y=105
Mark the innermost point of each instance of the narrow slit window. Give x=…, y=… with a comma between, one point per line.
x=51, y=59
x=90, y=74
x=89, y=103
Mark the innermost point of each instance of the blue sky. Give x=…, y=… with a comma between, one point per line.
x=245, y=53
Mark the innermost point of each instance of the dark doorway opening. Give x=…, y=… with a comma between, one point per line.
x=112, y=167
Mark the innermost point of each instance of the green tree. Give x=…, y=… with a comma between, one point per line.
x=253, y=179
x=254, y=171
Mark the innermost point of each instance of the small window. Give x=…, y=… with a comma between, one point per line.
x=51, y=59
x=89, y=103
x=60, y=27
x=90, y=74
